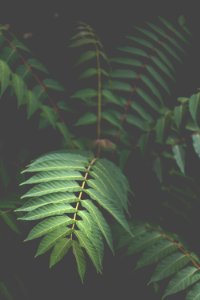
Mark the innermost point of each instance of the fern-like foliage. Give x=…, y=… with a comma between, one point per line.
x=94, y=68
x=141, y=75
x=28, y=80
x=70, y=191
x=7, y=207
x=171, y=257
x=134, y=91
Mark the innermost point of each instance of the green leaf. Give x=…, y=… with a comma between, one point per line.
x=179, y=155
x=173, y=29
x=113, y=117
x=32, y=104
x=182, y=280
x=85, y=94
x=49, y=114
x=64, y=131
x=141, y=41
x=194, y=104
x=192, y=126
x=19, y=45
x=169, y=38
x=91, y=231
x=59, y=251
x=148, y=99
x=9, y=55
x=5, y=74
x=123, y=74
x=87, y=119
x=152, y=87
x=101, y=222
x=86, y=56
x=157, y=77
x=127, y=61
x=110, y=207
x=9, y=219
x=51, y=239
x=178, y=115
x=118, y=186
x=34, y=63
x=48, y=225
x=117, y=85
x=155, y=253
x=80, y=259
x=137, y=122
x=60, y=193
x=53, y=85
x=47, y=211
x=32, y=204
x=196, y=143
x=56, y=165
x=141, y=111
x=194, y=293
x=19, y=88
x=160, y=129
x=52, y=187
x=91, y=72
x=71, y=159
x=148, y=33
x=133, y=51
x=83, y=42
x=54, y=176
x=89, y=248
x=169, y=265
x=143, y=241
x=111, y=97
x=160, y=65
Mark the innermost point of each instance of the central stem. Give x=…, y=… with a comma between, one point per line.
x=81, y=193
x=98, y=94
x=99, y=97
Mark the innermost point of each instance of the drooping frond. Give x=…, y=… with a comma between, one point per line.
x=173, y=261
x=141, y=76
x=70, y=190
x=29, y=81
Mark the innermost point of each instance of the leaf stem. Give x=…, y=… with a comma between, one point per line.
x=81, y=193
x=181, y=248
x=99, y=97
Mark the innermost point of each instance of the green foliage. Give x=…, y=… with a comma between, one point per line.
x=28, y=80
x=120, y=105
x=69, y=191
x=171, y=257
x=142, y=72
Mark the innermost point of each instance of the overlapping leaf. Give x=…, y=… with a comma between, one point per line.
x=142, y=73
x=28, y=80
x=170, y=255
x=69, y=192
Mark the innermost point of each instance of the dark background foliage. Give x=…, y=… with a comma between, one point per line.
x=46, y=28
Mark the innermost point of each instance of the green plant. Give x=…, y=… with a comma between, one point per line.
x=123, y=105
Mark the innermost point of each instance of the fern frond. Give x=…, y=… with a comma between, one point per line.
x=142, y=72
x=95, y=69
x=28, y=80
x=171, y=257
x=69, y=193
